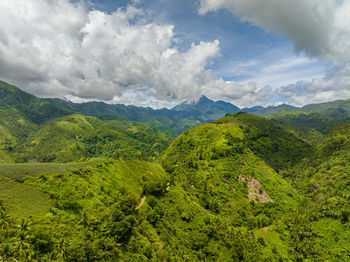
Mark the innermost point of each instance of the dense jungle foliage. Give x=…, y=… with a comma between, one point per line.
x=241, y=188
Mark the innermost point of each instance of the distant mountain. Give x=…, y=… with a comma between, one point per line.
x=173, y=121
x=207, y=108
x=178, y=119
x=34, y=109
x=259, y=110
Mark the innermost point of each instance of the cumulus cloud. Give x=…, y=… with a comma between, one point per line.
x=335, y=85
x=60, y=48
x=320, y=29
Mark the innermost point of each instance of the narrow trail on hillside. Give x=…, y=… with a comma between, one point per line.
x=141, y=203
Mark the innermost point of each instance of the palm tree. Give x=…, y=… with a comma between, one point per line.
x=6, y=252
x=62, y=252
x=5, y=220
x=21, y=240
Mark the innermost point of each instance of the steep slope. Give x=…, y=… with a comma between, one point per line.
x=325, y=173
x=324, y=177
x=212, y=162
x=224, y=166
x=32, y=108
x=21, y=114
x=221, y=155
x=75, y=137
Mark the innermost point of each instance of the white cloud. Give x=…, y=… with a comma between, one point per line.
x=320, y=29
x=59, y=48
x=334, y=86
x=241, y=95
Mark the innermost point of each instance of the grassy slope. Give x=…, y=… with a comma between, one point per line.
x=23, y=201
x=97, y=214
x=211, y=158
x=15, y=171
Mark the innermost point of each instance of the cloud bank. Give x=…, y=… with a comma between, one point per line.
x=59, y=48
x=320, y=29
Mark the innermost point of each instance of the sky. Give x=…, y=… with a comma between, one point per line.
x=159, y=53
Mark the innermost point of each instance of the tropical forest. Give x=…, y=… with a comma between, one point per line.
x=244, y=187
x=174, y=130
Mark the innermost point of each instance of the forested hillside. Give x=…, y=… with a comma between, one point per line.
x=241, y=188
x=32, y=129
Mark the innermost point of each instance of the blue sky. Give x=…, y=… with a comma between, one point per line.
x=248, y=52
x=161, y=52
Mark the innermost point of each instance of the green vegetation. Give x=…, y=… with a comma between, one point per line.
x=181, y=118
x=242, y=188
x=16, y=171
x=77, y=137
x=32, y=129
x=21, y=200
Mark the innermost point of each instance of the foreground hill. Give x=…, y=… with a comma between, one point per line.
x=324, y=178
x=307, y=221
x=240, y=132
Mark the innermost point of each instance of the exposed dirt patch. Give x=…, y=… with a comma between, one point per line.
x=256, y=192
x=242, y=178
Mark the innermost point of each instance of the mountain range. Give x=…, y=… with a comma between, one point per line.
x=188, y=115
x=100, y=182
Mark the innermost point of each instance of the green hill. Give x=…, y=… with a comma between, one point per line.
x=21, y=114
x=324, y=178
x=242, y=188
x=78, y=137
x=180, y=118
x=32, y=129
x=32, y=108
x=337, y=109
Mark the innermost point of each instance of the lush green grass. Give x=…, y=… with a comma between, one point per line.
x=23, y=201
x=15, y=171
